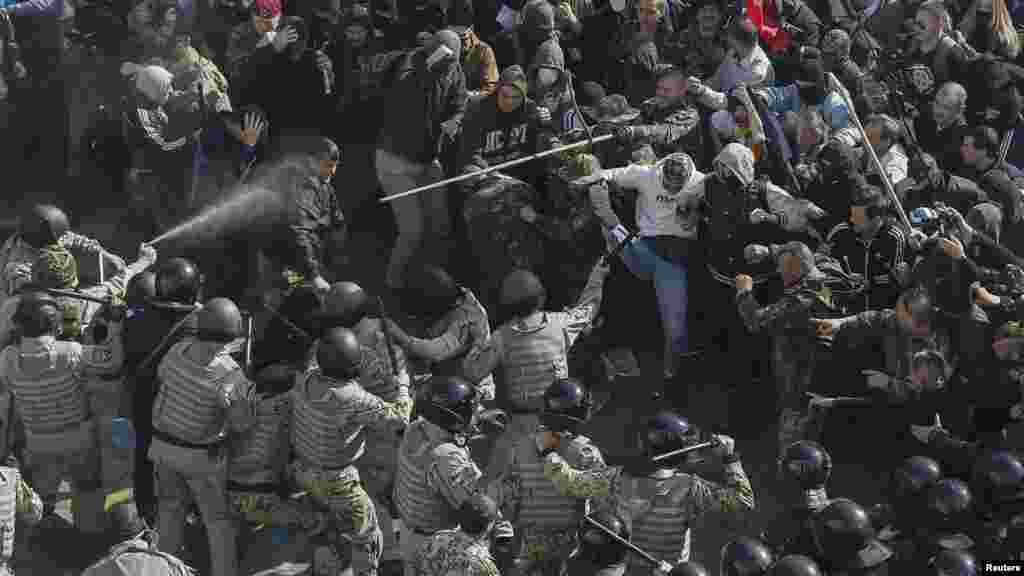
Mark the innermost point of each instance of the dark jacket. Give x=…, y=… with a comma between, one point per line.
x=1001, y=190
x=491, y=137
x=418, y=101
x=313, y=213
x=878, y=260
x=144, y=329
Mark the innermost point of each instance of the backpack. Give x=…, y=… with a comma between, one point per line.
x=137, y=557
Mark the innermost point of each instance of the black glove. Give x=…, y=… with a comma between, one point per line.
x=492, y=422
x=624, y=134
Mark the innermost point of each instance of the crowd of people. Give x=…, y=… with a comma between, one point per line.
x=815, y=195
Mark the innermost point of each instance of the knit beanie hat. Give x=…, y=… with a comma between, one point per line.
x=154, y=82
x=267, y=8
x=514, y=76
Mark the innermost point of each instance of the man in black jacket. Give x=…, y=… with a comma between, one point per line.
x=427, y=102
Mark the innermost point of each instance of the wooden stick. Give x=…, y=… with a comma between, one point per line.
x=497, y=167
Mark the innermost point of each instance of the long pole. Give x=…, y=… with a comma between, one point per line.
x=76, y=296
x=838, y=87
x=681, y=451
x=636, y=550
x=497, y=167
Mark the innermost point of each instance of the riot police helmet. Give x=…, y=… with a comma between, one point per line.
x=345, y=305
x=522, y=293
x=690, y=568
x=666, y=432
x=566, y=405
x=912, y=479
x=596, y=545
x=745, y=557
x=220, y=320
x=141, y=289
x=431, y=292
x=998, y=479
x=841, y=530
x=795, y=565
x=38, y=314
x=339, y=354
x=44, y=224
x=953, y=563
x=949, y=506
x=448, y=402
x=807, y=463
x=177, y=280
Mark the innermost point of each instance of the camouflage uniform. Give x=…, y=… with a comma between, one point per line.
x=545, y=520
x=18, y=503
x=454, y=552
x=794, y=342
x=17, y=256
x=681, y=498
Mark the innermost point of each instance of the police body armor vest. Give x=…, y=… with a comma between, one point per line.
x=530, y=362
x=256, y=452
x=9, y=478
x=53, y=401
x=661, y=526
x=419, y=505
x=541, y=506
x=190, y=403
x=323, y=435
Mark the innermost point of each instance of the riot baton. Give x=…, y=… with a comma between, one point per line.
x=250, y=334
x=77, y=295
x=392, y=356
x=838, y=87
x=682, y=451
x=633, y=547
x=163, y=343
x=497, y=167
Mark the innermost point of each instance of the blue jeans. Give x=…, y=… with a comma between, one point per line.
x=670, y=282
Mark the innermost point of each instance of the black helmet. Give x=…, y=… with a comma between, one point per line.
x=430, y=292
x=745, y=557
x=690, y=568
x=177, y=280
x=38, y=314
x=795, y=565
x=948, y=506
x=44, y=224
x=275, y=379
x=448, y=402
x=339, y=354
x=220, y=321
x=807, y=463
x=345, y=305
x=596, y=545
x=99, y=332
x=299, y=306
x=666, y=432
x=141, y=288
x=842, y=530
x=566, y=405
x=953, y=563
x=997, y=479
x=909, y=484
x=522, y=292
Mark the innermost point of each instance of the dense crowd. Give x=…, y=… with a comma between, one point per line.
x=818, y=188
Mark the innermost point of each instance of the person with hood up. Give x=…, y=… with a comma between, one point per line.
x=794, y=343
x=538, y=39
x=160, y=131
x=502, y=126
x=478, y=61
x=426, y=103
x=254, y=42
x=667, y=226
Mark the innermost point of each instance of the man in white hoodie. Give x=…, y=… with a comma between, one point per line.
x=667, y=226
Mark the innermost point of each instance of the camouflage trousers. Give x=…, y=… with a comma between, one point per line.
x=352, y=512
x=542, y=553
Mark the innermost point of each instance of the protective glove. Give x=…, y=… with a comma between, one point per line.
x=756, y=253
x=624, y=134
x=147, y=255
x=450, y=128
x=663, y=569
x=725, y=446
x=503, y=530
x=492, y=422
x=614, y=236
x=543, y=115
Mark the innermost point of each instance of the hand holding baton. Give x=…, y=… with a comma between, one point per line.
x=619, y=539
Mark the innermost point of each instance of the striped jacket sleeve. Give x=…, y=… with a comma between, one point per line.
x=154, y=128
